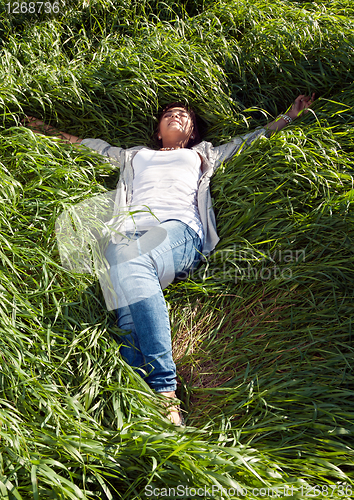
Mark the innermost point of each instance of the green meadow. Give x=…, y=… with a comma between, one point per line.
x=262, y=331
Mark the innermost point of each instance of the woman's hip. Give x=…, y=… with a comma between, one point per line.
x=172, y=248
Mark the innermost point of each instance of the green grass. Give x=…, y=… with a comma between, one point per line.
x=262, y=331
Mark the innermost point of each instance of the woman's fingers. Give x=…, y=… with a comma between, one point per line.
x=28, y=119
x=305, y=98
x=309, y=98
x=301, y=105
x=31, y=120
x=24, y=121
x=302, y=102
x=307, y=101
x=34, y=124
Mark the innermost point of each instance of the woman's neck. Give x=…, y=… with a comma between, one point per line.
x=173, y=144
x=169, y=149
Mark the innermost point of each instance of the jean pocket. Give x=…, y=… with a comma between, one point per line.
x=192, y=261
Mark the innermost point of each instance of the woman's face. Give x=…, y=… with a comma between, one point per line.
x=176, y=124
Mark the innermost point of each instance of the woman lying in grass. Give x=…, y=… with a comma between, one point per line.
x=166, y=241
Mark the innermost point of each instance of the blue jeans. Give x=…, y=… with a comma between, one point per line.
x=141, y=265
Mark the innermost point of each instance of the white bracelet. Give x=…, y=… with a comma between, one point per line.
x=286, y=118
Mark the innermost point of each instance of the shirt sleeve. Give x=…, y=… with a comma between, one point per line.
x=114, y=153
x=219, y=154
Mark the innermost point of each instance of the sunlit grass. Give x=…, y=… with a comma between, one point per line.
x=262, y=331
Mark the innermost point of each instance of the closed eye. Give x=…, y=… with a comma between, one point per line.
x=167, y=115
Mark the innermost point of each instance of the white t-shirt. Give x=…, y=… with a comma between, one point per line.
x=165, y=183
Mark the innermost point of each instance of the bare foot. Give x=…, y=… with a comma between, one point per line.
x=174, y=412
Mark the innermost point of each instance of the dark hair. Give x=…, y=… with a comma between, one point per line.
x=193, y=117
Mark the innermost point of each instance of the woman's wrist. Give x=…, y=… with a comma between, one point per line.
x=286, y=117
x=292, y=114
x=279, y=123
x=72, y=139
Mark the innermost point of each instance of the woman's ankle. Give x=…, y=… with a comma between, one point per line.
x=174, y=412
x=169, y=394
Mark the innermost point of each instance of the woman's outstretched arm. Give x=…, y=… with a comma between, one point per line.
x=217, y=155
x=40, y=127
x=300, y=106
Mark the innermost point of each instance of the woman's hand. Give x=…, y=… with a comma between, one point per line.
x=36, y=125
x=40, y=127
x=301, y=105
